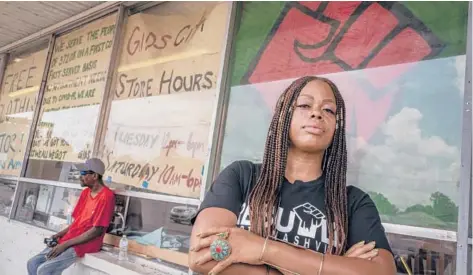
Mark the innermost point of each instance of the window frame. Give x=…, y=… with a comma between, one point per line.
x=34, y=122
x=52, y=32
x=463, y=244
x=121, y=17
x=465, y=189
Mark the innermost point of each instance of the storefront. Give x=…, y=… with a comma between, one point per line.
x=170, y=94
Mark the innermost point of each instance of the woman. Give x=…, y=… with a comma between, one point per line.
x=294, y=213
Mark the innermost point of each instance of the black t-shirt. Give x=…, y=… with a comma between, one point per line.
x=301, y=218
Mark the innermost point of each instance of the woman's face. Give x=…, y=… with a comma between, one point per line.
x=314, y=119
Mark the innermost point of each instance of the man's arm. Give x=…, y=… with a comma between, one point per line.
x=85, y=237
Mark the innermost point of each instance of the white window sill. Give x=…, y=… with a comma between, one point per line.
x=107, y=262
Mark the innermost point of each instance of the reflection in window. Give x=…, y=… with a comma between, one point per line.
x=424, y=256
x=7, y=191
x=28, y=195
x=160, y=224
x=161, y=143
x=395, y=80
x=47, y=206
x=71, y=104
x=52, y=206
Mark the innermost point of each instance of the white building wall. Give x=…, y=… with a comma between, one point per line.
x=20, y=241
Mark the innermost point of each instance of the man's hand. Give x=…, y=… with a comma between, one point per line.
x=61, y=234
x=57, y=250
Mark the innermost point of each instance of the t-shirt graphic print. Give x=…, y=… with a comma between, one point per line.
x=304, y=225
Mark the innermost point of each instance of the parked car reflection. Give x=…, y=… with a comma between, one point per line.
x=183, y=214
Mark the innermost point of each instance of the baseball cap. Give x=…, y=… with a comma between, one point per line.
x=94, y=164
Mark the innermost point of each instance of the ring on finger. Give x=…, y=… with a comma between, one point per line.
x=223, y=235
x=220, y=249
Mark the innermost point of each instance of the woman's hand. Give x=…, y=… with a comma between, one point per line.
x=246, y=247
x=362, y=251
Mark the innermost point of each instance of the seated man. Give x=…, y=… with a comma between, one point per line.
x=92, y=215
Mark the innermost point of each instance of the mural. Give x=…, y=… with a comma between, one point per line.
x=316, y=37
x=400, y=67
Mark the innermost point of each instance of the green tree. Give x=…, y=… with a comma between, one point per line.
x=385, y=207
x=420, y=208
x=444, y=208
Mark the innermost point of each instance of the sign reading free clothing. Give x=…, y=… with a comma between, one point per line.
x=18, y=94
x=167, y=79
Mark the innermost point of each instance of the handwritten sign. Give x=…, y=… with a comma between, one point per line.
x=170, y=52
x=13, y=138
x=65, y=135
x=76, y=80
x=163, y=146
x=79, y=66
x=19, y=91
x=21, y=84
x=167, y=79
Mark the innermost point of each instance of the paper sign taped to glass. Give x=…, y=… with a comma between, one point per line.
x=13, y=138
x=167, y=78
x=76, y=80
x=163, y=145
x=19, y=90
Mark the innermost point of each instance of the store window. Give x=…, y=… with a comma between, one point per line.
x=67, y=121
x=47, y=206
x=51, y=206
x=401, y=69
x=71, y=103
x=18, y=93
x=164, y=225
x=157, y=137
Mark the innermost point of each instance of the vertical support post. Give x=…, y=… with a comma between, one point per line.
x=34, y=124
x=101, y=127
x=466, y=163
x=3, y=66
x=220, y=106
x=469, y=83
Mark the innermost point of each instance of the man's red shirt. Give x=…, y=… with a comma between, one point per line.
x=91, y=212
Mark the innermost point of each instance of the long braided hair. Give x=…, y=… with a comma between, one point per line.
x=265, y=196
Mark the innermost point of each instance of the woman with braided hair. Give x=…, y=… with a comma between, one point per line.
x=293, y=214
